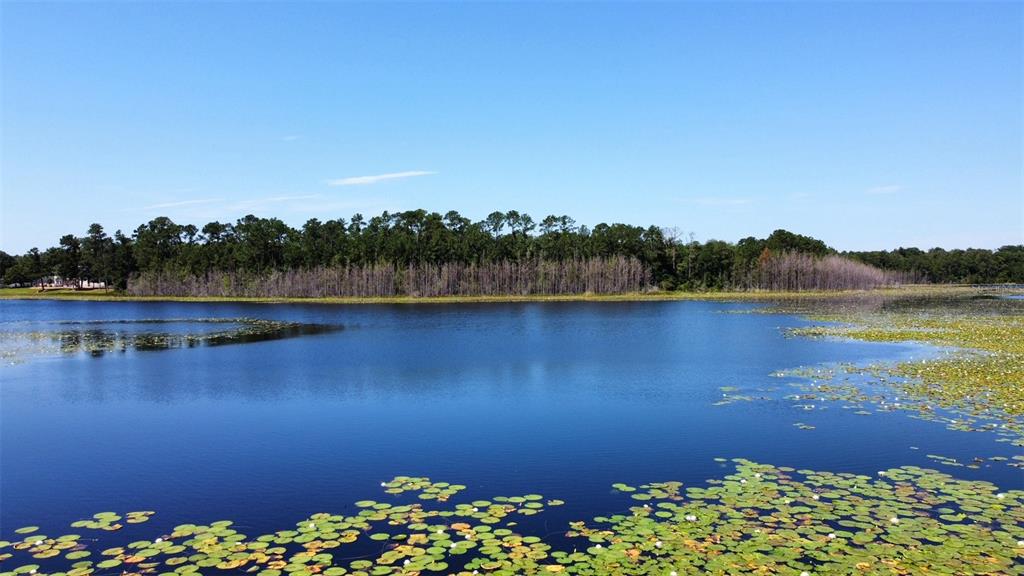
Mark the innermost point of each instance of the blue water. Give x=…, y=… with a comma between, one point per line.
x=562, y=399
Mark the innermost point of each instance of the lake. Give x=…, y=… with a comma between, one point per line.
x=562, y=399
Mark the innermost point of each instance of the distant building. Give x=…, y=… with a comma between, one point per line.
x=58, y=282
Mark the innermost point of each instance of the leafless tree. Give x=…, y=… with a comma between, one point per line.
x=612, y=275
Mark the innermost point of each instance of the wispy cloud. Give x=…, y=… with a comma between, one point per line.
x=261, y=202
x=886, y=189
x=292, y=208
x=363, y=180
x=180, y=204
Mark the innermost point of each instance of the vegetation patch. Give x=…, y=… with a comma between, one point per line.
x=761, y=519
x=978, y=384
x=99, y=337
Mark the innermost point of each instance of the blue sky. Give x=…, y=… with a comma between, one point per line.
x=867, y=125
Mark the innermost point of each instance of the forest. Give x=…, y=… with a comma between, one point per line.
x=423, y=253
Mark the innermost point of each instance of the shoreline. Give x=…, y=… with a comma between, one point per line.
x=737, y=296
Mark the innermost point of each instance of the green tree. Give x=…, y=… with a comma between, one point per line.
x=69, y=265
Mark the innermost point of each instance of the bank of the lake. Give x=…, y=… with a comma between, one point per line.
x=918, y=290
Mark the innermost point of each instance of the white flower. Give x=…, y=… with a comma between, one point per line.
x=758, y=475
x=1000, y=496
x=311, y=525
x=38, y=542
x=832, y=536
x=159, y=540
x=657, y=544
x=894, y=520
x=743, y=481
x=816, y=497
x=805, y=573
x=691, y=518
x=383, y=484
x=673, y=573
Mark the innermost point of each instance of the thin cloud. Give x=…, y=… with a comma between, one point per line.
x=215, y=206
x=261, y=202
x=295, y=205
x=887, y=189
x=180, y=204
x=363, y=180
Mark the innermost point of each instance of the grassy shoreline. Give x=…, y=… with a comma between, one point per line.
x=753, y=296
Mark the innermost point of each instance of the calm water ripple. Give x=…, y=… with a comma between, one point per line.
x=558, y=398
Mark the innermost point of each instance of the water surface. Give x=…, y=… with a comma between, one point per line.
x=563, y=399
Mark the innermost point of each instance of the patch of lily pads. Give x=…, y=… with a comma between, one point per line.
x=760, y=519
x=868, y=390
x=975, y=385
x=100, y=337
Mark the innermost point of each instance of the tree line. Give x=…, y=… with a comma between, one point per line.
x=427, y=253
x=971, y=266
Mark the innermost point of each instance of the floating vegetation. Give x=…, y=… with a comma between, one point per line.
x=99, y=337
x=968, y=390
x=975, y=385
x=440, y=491
x=865, y=391
x=111, y=521
x=761, y=519
x=985, y=376
x=729, y=397
x=974, y=463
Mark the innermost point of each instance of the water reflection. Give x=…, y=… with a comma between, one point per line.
x=99, y=337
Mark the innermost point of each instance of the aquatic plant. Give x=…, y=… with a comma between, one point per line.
x=977, y=386
x=760, y=519
x=98, y=337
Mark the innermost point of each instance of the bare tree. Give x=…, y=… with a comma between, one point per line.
x=611, y=275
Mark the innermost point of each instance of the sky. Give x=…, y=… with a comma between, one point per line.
x=870, y=126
